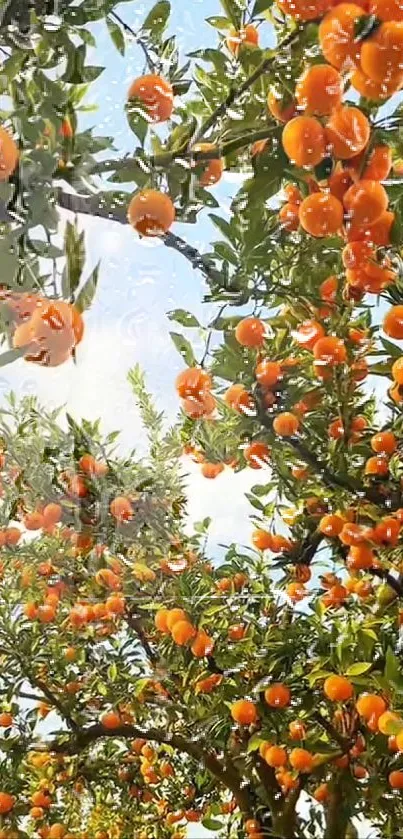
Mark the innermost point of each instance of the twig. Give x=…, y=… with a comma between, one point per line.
x=236, y=92
x=344, y=743
x=138, y=40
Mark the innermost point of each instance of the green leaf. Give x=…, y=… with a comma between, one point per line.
x=254, y=743
x=233, y=11
x=183, y=317
x=219, y=22
x=358, y=668
x=75, y=258
x=261, y=6
x=87, y=293
x=184, y=348
x=365, y=26
x=116, y=35
x=157, y=18
x=393, y=669
x=223, y=226
x=212, y=824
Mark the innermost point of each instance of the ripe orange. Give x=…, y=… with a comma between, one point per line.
x=377, y=91
x=7, y=802
x=378, y=164
x=278, y=695
x=321, y=793
x=390, y=723
x=236, y=632
x=331, y=525
x=304, y=9
x=192, y=382
x=321, y=214
x=280, y=106
x=339, y=182
x=303, y=141
x=296, y=591
x=347, y=131
x=384, y=442
x=257, y=454
x=330, y=351
x=202, y=645
x=294, y=195
x=211, y=470
x=365, y=202
x=356, y=255
x=160, y=620
x=182, y=632
x=337, y=36
x=393, y=322
x=9, y=155
x=319, y=90
x=370, y=705
x=378, y=233
x=52, y=514
x=382, y=52
x=155, y=94
x=307, y=333
x=286, y=424
x=301, y=760
x=297, y=730
x=121, y=508
x=328, y=289
x=360, y=558
x=239, y=399
x=289, y=216
x=33, y=521
x=110, y=720
x=268, y=373
x=250, y=332
x=197, y=408
x=212, y=168
x=386, y=9
x=6, y=720
x=249, y=36
x=151, y=212
x=262, y=540
x=244, y=712
x=396, y=779
x=338, y=688
x=275, y=756
x=90, y=466
x=397, y=371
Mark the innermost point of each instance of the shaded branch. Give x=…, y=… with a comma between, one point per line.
x=344, y=743
x=388, y=578
x=135, y=623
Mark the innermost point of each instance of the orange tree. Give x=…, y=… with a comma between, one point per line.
x=184, y=691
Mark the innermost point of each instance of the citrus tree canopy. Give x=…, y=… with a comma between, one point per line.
x=145, y=685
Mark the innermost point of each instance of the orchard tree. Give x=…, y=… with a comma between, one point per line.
x=261, y=696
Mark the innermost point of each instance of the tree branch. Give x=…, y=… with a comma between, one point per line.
x=237, y=92
x=344, y=743
x=137, y=39
x=135, y=623
x=227, y=773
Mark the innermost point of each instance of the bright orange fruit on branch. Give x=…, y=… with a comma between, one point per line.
x=155, y=94
x=9, y=155
x=249, y=36
x=303, y=141
x=347, y=131
x=151, y=212
x=321, y=214
x=319, y=90
x=338, y=688
x=244, y=712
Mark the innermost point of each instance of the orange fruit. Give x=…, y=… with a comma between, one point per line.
x=262, y=540
x=382, y=52
x=121, y=508
x=369, y=705
x=297, y=730
x=9, y=155
x=365, y=202
x=6, y=720
x=249, y=36
x=258, y=147
x=301, y=760
x=278, y=695
x=268, y=373
x=393, y=322
x=303, y=141
x=211, y=470
x=280, y=106
x=212, y=168
x=386, y=9
x=339, y=182
x=151, y=212
x=294, y=195
x=338, y=689
x=286, y=424
x=289, y=216
x=395, y=779
x=160, y=621
x=52, y=514
x=33, y=521
x=356, y=255
x=296, y=591
x=321, y=793
x=7, y=802
x=330, y=351
x=250, y=332
x=331, y=525
x=244, y=712
x=373, y=90
x=275, y=756
x=239, y=399
x=347, y=131
x=337, y=36
x=304, y=9
x=387, y=531
x=155, y=94
x=182, y=632
x=321, y=214
x=307, y=333
x=236, y=632
x=202, y=645
x=384, y=442
x=197, y=408
x=192, y=382
x=319, y=90
x=328, y=289
x=378, y=233
x=111, y=720
x=379, y=164
x=360, y=558
x=257, y=455
x=397, y=371
x=390, y=723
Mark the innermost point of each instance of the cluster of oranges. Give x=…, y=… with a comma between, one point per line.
x=47, y=330
x=175, y=622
